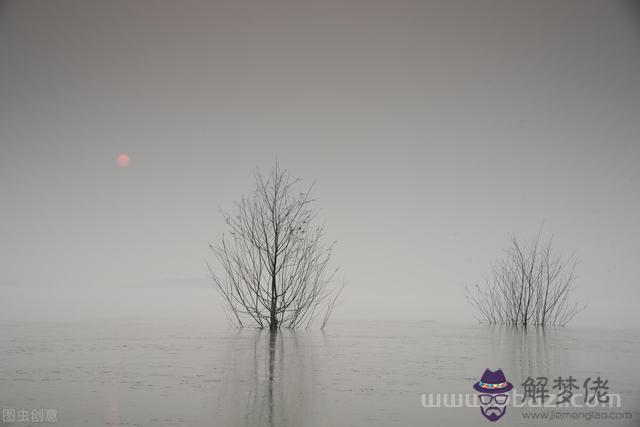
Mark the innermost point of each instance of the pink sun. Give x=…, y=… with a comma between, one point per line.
x=123, y=160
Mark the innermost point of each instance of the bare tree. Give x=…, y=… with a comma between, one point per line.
x=274, y=265
x=532, y=285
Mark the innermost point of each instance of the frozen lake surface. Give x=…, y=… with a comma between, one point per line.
x=185, y=372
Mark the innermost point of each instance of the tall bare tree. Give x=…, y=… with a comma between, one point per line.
x=532, y=285
x=274, y=266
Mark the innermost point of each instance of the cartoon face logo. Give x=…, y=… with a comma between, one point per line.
x=493, y=390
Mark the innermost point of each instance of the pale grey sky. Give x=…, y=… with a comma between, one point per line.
x=433, y=129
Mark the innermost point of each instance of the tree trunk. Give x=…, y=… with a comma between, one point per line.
x=273, y=321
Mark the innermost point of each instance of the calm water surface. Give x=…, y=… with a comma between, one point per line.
x=161, y=372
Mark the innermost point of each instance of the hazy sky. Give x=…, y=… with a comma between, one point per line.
x=433, y=129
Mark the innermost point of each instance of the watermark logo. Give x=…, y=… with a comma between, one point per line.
x=36, y=415
x=493, y=389
x=553, y=398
